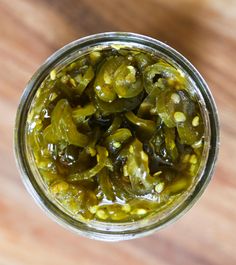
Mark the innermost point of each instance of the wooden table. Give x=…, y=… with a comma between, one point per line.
x=205, y=32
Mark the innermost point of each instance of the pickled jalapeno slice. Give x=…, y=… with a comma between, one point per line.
x=116, y=135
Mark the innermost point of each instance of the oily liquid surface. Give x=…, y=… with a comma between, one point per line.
x=116, y=135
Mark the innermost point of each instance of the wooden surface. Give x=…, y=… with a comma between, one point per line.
x=205, y=32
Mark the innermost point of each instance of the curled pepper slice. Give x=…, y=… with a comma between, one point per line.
x=114, y=126
x=105, y=184
x=148, y=103
x=80, y=113
x=87, y=174
x=103, y=84
x=137, y=169
x=170, y=143
x=162, y=74
x=189, y=134
x=127, y=83
x=62, y=127
x=115, y=140
x=176, y=109
x=143, y=60
x=147, y=126
x=118, y=105
x=83, y=79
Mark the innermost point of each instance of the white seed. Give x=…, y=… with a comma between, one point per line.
x=159, y=187
x=130, y=58
x=144, y=156
x=80, y=217
x=179, y=116
x=181, y=73
x=72, y=66
x=92, y=151
x=117, y=46
x=195, y=121
x=186, y=158
x=98, y=88
x=193, y=168
x=141, y=211
x=132, y=69
x=197, y=144
x=93, y=209
x=116, y=144
x=53, y=74
x=175, y=98
x=131, y=76
x=153, y=111
x=193, y=159
x=126, y=208
x=131, y=149
x=125, y=171
x=94, y=56
x=107, y=78
x=101, y=214
x=60, y=187
x=52, y=96
x=64, y=79
x=72, y=81
x=156, y=174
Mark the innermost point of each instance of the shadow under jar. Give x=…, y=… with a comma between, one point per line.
x=116, y=136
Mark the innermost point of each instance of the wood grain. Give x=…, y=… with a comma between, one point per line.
x=205, y=32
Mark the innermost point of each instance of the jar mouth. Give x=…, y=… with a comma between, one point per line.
x=106, y=230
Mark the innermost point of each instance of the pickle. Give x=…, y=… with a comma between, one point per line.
x=116, y=135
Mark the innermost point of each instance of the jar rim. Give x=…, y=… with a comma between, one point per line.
x=29, y=92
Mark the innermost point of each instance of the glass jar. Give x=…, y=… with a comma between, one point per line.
x=104, y=230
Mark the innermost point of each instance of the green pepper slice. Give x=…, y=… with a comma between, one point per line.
x=105, y=184
x=80, y=113
x=170, y=143
x=84, y=79
x=103, y=84
x=162, y=75
x=148, y=126
x=62, y=127
x=127, y=83
x=118, y=105
x=137, y=169
x=148, y=103
x=87, y=174
x=114, y=126
x=143, y=60
x=117, y=139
